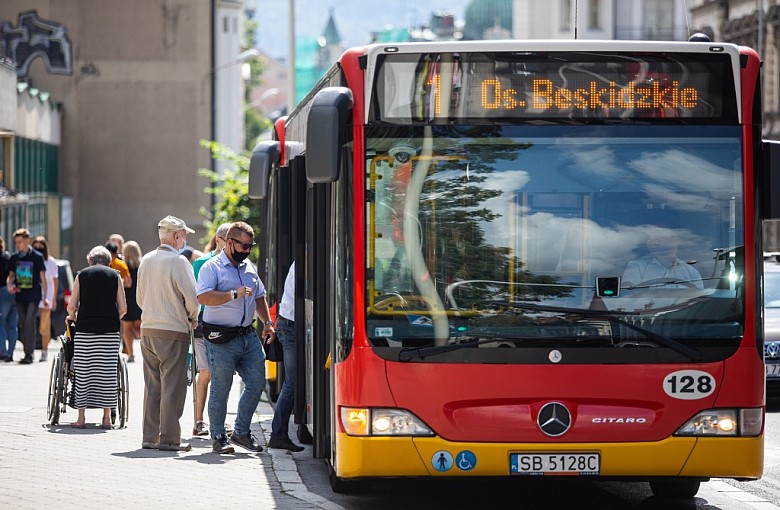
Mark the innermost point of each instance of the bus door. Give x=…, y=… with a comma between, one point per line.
x=317, y=317
x=276, y=236
x=297, y=218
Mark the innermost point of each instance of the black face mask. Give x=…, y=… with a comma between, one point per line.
x=240, y=256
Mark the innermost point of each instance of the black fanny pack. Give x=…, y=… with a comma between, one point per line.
x=223, y=334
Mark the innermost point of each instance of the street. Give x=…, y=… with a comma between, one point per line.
x=42, y=465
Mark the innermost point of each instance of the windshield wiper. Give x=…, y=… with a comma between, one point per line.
x=410, y=353
x=609, y=315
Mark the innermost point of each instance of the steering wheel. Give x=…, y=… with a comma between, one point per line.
x=405, y=299
x=665, y=281
x=390, y=299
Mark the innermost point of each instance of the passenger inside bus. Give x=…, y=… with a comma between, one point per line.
x=661, y=266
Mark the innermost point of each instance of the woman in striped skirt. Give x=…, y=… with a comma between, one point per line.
x=97, y=302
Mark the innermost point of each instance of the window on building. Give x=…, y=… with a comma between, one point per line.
x=235, y=24
x=658, y=20
x=225, y=24
x=565, y=15
x=593, y=14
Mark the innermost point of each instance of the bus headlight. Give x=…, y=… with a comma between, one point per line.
x=724, y=422
x=382, y=422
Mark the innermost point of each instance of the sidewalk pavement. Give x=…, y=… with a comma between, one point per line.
x=43, y=465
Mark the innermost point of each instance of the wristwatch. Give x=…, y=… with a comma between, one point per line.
x=234, y=293
x=269, y=323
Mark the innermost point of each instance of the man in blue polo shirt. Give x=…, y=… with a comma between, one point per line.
x=231, y=290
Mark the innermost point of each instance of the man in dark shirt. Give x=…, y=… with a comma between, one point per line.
x=27, y=280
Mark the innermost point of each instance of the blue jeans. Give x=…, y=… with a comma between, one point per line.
x=243, y=354
x=284, y=405
x=9, y=319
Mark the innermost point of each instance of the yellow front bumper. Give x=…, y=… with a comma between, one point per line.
x=358, y=457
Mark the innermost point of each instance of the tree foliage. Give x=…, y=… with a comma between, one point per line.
x=230, y=187
x=255, y=124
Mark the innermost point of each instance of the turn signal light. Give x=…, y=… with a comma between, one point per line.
x=751, y=421
x=355, y=421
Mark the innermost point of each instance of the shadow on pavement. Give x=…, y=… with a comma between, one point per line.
x=146, y=454
x=67, y=429
x=215, y=458
x=528, y=494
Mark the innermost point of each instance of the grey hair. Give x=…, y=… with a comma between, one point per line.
x=222, y=230
x=99, y=255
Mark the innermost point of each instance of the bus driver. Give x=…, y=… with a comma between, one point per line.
x=661, y=266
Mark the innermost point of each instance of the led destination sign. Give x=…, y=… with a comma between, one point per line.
x=546, y=96
x=447, y=87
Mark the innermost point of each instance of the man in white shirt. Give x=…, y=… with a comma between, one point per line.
x=661, y=266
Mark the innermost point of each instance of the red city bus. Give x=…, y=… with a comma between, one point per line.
x=525, y=258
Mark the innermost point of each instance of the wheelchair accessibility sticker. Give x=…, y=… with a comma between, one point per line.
x=466, y=460
x=442, y=461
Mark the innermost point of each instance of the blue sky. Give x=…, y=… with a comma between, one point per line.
x=355, y=19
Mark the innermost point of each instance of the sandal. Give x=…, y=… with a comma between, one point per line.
x=77, y=425
x=106, y=425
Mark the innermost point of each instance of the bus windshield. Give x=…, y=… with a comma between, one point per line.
x=554, y=237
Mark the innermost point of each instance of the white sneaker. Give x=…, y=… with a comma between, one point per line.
x=44, y=356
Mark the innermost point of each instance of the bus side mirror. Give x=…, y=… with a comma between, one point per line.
x=265, y=154
x=325, y=126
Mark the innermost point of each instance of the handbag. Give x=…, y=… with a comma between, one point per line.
x=273, y=350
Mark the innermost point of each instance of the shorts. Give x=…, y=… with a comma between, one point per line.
x=200, y=353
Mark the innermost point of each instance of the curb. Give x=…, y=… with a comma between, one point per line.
x=286, y=472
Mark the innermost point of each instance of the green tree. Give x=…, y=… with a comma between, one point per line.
x=230, y=188
x=255, y=124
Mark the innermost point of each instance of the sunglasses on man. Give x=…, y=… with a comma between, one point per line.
x=244, y=246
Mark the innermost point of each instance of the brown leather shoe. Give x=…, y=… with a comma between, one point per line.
x=200, y=429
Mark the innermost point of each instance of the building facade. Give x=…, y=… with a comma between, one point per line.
x=134, y=83
x=660, y=20
x=29, y=163
x=754, y=24
x=227, y=74
x=314, y=56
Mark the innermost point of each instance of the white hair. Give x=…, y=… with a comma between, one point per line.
x=99, y=255
x=166, y=235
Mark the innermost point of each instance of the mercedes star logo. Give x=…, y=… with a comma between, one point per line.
x=554, y=419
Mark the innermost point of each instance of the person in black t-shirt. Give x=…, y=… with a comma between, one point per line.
x=27, y=280
x=9, y=330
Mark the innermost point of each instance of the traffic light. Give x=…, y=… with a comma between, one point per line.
x=608, y=286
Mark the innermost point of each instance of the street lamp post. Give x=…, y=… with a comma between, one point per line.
x=273, y=91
